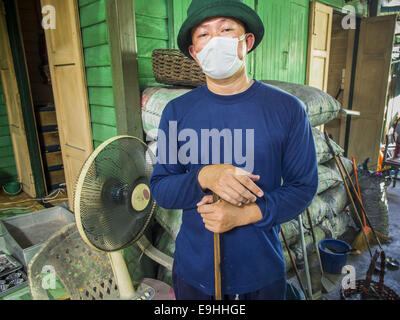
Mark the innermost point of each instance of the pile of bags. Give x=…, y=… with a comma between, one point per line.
x=329, y=214
x=329, y=210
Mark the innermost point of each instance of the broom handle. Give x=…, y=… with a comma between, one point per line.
x=305, y=257
x=217, y=270
x=352, y=201
x=358, y=189
x=360, y=203
x=217, y=261
x=327, y=139
x=293, y=264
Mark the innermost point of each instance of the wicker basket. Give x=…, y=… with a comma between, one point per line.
x=369, y=288
x=172, y=67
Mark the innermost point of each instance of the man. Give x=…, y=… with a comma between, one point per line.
x=273, y=183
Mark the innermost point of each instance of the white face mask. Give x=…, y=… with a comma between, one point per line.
x=219, y=58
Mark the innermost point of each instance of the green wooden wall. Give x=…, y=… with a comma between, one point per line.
x=152, y=33
x=96, y=47
x=8, y=170
x=281, y=56
x=283, y=53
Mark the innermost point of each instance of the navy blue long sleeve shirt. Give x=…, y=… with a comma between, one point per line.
x=263, y=130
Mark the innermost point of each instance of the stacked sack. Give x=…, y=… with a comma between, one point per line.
x=328, y=210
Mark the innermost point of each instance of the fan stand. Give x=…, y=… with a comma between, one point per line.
x=140, y=200
x=154, y=254
x=126, y=290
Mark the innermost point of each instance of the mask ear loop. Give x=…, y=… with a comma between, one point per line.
x=244, y=47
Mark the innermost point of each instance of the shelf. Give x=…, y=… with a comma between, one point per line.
x=347, y=112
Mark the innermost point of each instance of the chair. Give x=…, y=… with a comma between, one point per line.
x=388, y=161
x=85, y=273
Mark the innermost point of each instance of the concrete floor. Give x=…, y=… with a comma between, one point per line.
x=362, y=262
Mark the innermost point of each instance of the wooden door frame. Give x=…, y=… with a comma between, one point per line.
x=23, y=83
x=124, y=57
x=351, y=57
x=70, y=152
x=311, y=28
x=351, y=86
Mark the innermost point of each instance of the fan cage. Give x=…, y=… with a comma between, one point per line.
x=131, y=161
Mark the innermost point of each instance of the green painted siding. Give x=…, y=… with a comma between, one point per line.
x=97, y=55
x=8, y=170
x=179, y=14
x=282, y=54
x=152, y=33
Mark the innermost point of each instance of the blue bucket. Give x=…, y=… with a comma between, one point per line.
x=333, y=262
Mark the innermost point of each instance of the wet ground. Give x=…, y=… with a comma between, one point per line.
x=361, y=262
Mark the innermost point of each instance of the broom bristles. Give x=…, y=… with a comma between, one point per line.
x=360, y=243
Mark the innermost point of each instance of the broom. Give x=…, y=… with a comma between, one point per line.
x=340, y=165
x=373, y=237
x=364, y=242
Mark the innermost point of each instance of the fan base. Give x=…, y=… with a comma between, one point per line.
x=152, y=289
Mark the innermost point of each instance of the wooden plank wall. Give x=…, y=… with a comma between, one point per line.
x=152, y=33
x=97, y=57
x=339, y=62
x=338, y=57
x=8, y=169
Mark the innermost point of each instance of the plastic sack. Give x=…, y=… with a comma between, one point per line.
x=336, y=227
x=291, y=231
x=320, y=106
x=321, y=147
x=373, y=194
x=327, y=178
x=154, y=101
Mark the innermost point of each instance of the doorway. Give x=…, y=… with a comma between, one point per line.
x=35, y=51
x=54, y=90
x=339, y=74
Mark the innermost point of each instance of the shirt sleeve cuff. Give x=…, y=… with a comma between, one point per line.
x=199, y=191
x=268, y=217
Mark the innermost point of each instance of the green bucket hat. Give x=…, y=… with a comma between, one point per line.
x=200, y=10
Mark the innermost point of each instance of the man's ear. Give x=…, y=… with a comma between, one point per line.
x=250, y=40
x=192, y=52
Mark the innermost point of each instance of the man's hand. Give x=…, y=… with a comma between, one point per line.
x=230, y=183
x=221, y=216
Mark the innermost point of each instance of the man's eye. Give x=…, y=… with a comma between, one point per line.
x=228, y=29
x=202, y=35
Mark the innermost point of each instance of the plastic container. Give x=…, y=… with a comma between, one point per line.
x=333, y=262
x=12, y=188
x=25, y=234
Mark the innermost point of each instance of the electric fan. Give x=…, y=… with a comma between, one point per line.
x=113, y=207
